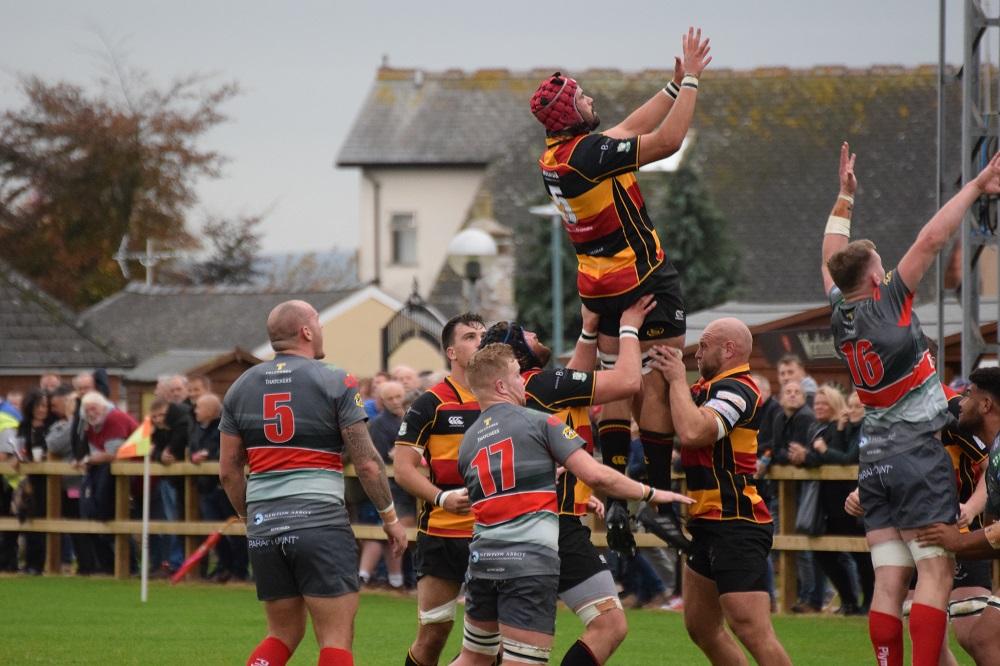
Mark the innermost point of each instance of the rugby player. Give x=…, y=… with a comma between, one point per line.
x=585, y=584
x=980, y=416
x=905, y=480
x=717, y=420
x=508, y=460
x=972, y=578
x=432, y=430
x=591, y=179
x=292, y=418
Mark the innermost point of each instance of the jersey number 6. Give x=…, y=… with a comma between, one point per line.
x=505, y=449
x=275, y=410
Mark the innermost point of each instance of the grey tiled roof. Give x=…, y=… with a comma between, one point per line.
x=148, y=321
x=766, y=144
x=38, y=332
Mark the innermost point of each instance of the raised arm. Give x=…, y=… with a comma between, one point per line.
x=695, y=426
x=939, y=230
x=838, y=225
x=585, y=353
x=371, y=473
x=666, y=139
x=651, y=114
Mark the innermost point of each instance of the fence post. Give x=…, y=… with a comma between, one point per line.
x=122, y=547
x=788, y=583
x=53, y=511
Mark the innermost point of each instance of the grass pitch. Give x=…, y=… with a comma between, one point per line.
x=55, y=620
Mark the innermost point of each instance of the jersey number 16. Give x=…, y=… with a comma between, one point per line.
x=865, y=364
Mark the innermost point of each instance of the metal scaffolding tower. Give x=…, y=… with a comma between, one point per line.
x=980, y=128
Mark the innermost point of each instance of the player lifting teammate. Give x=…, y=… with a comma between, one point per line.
x=292, y=419
x=591, y=178
x=508, y=459
x=905, y=480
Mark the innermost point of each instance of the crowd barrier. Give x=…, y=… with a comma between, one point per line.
x=123, y=526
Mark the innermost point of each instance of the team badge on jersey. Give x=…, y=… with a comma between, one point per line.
x=568, y=433
x=358, y=401
x=402, y=429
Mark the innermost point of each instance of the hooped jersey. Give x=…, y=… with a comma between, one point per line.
x=567, y=394
x=591, y=178
x=720, y=478
x=966, y=453
x=891, y=367
x=508, y=459
x=434, y=426
x=289, y=413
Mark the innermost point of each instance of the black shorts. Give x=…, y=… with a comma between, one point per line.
x=527, y=603
x=733, y=553
x=911, y=489
x=667, y=320
x=441, y=557
x=579, y=560
x=973, y=573
x=312, y=562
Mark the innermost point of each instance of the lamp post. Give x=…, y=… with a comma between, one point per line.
x=555, y=233
x=470, y=253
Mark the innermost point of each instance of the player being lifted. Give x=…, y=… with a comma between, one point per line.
x=591, y=178
x=905, y=479
x=508, y=460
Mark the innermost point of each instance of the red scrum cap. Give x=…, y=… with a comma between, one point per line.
x=554, y=103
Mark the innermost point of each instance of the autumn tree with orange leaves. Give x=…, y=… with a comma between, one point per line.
x=79, y=170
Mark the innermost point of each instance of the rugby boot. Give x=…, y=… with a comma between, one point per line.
x=620, y=537
x=665, y=525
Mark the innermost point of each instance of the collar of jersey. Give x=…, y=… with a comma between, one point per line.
x=728, y=373
x=463, y=393
x=556, y=140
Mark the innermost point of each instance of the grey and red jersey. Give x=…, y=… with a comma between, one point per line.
x=508, y=460
x=891, y=367
x=289, y=413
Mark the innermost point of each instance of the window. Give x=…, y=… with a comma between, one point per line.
x=403, y=229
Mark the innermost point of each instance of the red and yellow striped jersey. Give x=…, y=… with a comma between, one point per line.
x=720, y=477
x=591, y=179
x=434, y=425
x=966, y=453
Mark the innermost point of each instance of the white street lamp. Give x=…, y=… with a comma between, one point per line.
x=470, y=253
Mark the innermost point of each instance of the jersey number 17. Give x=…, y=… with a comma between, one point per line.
x=504, y=449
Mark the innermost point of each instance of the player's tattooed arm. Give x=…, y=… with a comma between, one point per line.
x=368, y=463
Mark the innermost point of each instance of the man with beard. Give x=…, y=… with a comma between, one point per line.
x=590, y=177
x=725, y=577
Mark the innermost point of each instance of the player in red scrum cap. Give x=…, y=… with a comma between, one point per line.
x=590, y=177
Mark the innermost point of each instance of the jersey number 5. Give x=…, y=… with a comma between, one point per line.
x=560, y=201
x=505, y=449
x=865, y=364
x=275, y=409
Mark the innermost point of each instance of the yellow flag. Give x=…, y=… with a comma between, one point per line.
x=139, y=443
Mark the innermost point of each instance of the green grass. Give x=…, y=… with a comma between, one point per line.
x=55, y=620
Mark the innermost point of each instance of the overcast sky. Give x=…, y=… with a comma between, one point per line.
x=306, y=67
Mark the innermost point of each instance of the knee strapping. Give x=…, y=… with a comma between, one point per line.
x=591, y=611
x=891, y=554
x=607, y=361
x=968, y=607
x=443, y=613
x=477, y=640
x=920, y=552
x=523, y=653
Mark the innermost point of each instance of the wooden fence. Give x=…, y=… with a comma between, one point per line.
x=122, y=526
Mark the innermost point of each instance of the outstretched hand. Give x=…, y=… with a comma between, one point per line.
x=695, y=51
x=988, y=180
x=669, y=362
x=848, y=181
x=636, y=313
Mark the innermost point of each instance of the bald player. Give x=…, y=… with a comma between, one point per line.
x=292, y=419
x=725, y=577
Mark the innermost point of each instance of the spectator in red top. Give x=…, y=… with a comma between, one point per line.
x=106, y=430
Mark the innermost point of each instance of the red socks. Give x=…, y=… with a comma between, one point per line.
x=928, y=626
x=886, y=632
x=335, y=657
x=270, y=652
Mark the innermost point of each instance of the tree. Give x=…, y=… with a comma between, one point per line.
x=79, y=170
x=694, y=234
x=690, y=227
x=235, y=244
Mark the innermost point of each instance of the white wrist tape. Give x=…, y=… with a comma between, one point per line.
x=444, y=495
x=846, y=197
x=838, y=225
